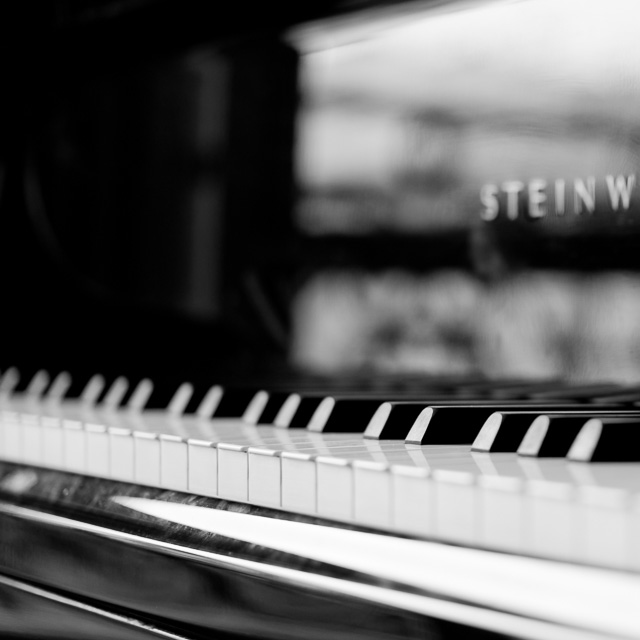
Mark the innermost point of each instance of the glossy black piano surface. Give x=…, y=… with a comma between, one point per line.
x=358, y=208
x=180, y=578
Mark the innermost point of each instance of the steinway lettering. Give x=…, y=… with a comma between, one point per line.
x=539, y=198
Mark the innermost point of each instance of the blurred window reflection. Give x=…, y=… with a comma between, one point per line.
x=405, y=116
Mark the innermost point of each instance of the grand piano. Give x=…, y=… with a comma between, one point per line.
x=320, y=322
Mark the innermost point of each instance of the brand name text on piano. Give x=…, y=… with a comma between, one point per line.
x=539, y=198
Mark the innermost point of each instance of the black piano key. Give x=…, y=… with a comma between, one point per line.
x=273, y=406
x=234, y=403
x=132, y=386
x=393, y=420
x=343, y=415
x=460, y=423
x=505, y=431
x=296, y=411
x=162, y=393
x=80, y=381
x=550, y=436
x=449, y=424
x=265, y=406
x=200, y=391
x=607, y=440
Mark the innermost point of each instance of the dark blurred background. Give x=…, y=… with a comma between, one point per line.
x=146, y=184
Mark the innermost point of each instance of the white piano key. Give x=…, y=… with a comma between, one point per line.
x=121, y=454
x=455, y=506
x=444, y=456
x=233, y=471
x=553, y=469
x=342, y=451
x=282, y=440
x=31, y=438
x=634, y=532
x=97, y=450
x=265, y=479
x=532, y=468
x=553, y=531
x=499, y=464
x=52, y=442
x=12, y=436
x=502, y=506
x=174, y=462
x=202, y=467
x=604, y=513
x=74, y=446
x=413, y=500
x=372, y=494
x=298, y=481
x=439, y=459
x=605, y=474
x=239, y=431
x=233, y=435
x=146, y=451
x=334, y=477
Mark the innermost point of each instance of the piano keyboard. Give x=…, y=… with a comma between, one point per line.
x=539, y=473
